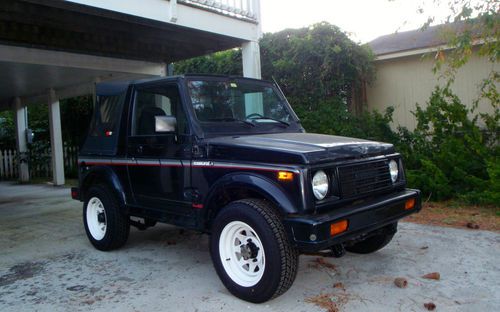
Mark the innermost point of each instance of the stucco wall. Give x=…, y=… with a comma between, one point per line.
x=403, y=82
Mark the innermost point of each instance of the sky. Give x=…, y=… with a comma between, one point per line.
x=364, y=20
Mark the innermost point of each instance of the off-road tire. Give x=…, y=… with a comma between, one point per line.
x=372, y=243
x=117, y=223
x=281, y=257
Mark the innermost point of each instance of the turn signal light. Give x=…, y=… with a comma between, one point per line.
x=410, y=203
x=338, y=227
x=285, y=176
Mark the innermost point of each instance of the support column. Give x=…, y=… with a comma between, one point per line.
x=21, y=120
x=56, y=142
x=251, y=59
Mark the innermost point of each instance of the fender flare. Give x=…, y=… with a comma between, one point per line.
x=256, y=183
x=108, y=176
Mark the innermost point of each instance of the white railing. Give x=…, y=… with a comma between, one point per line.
x=245, y=9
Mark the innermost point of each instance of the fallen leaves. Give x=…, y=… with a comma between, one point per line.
x=322, y=263
x=430, y=306
x=339, y=285
x=330, y=302
x=324, y=301
x=401, y=282
x=434, y=275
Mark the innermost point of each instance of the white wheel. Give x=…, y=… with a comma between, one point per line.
x=242, y=254
x=96, y=218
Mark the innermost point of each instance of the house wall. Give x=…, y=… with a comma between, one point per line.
x=402, y=82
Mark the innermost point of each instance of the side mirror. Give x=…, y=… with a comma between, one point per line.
x=165, y=124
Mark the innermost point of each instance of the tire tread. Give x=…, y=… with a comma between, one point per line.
x=289, y=255
x=121, y=229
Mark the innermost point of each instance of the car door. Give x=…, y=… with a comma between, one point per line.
x=159, y=173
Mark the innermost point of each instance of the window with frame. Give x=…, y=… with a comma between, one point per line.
x=163, y=100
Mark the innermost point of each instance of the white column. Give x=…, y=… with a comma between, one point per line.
x=21, y=120
x=56, y=138
x=251, y=59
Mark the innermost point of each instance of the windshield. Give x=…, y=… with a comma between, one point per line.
x=249, y=102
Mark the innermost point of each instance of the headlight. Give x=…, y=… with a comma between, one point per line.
x=320, y=184
x=394, y=170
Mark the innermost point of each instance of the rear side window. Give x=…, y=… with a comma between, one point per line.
x=105, y=124
x=107, y=115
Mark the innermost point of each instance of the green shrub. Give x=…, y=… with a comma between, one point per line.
x=449, y=155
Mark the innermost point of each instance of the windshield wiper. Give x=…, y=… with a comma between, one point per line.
x=232, y=119
x=274, y=119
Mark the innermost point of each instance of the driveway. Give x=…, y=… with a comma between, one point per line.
x=47, y=264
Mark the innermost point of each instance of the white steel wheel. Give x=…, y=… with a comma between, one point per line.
x=242, y=253
x=96, y=218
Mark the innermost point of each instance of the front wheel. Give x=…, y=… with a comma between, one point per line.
x=106, y=226
x=251, y=251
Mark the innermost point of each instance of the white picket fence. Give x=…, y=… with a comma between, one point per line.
x=9, y=163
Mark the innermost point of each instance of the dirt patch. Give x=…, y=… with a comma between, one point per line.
x=21, y=272
x=451, y=214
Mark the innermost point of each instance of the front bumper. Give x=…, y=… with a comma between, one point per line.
x=362, y=218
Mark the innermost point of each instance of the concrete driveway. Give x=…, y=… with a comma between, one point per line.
x=47, y=264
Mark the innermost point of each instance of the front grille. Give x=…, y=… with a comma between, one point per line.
x=365, y=178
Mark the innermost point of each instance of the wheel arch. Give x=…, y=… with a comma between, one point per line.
x=103, y=175
x=245, y=185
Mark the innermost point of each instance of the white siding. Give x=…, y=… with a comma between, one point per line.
x=403, y=82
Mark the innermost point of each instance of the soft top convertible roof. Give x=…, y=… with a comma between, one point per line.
x=111, y=88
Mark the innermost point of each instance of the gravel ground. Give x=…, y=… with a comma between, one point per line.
x=47, y=264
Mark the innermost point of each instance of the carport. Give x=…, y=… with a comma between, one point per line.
x=52, y=50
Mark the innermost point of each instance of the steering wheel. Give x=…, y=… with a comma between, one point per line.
x=254, y=115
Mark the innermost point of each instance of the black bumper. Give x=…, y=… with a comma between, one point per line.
x=362, y=218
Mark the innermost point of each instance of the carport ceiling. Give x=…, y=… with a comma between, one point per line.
x=71, y=27
x=19, y=79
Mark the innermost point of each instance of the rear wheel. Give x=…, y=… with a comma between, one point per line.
x=106, y=226
x=251, y=251
x=375, y=242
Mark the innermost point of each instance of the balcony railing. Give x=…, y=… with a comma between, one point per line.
x=241, y=9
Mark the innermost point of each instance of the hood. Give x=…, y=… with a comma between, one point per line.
x=294, y=148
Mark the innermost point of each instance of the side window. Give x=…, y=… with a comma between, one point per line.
x=107, y=115
x=156, y=101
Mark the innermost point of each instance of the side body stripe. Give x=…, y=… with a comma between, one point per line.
x=180, y=163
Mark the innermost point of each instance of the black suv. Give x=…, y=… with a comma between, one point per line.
x=228, y=156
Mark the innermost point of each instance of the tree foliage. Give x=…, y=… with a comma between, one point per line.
x=315, y=64
x=223, y=63
x=312, y=64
